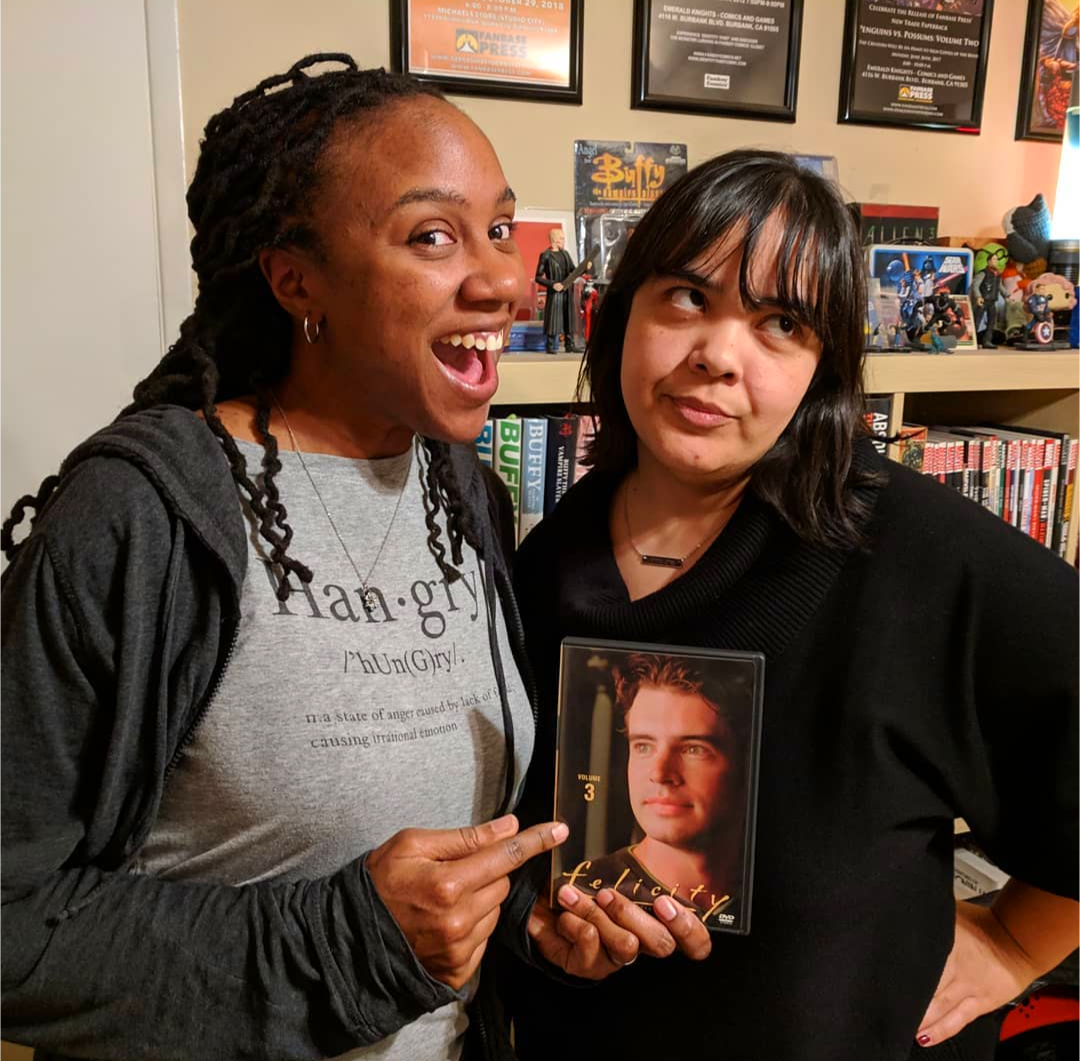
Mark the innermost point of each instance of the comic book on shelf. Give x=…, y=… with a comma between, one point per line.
x=1070, y=489
x=656, y=775
x=911, y=449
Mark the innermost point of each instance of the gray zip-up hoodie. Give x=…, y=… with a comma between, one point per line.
x=117, y=615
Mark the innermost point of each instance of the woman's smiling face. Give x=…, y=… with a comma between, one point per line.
x=420, y=278
x=708, y=382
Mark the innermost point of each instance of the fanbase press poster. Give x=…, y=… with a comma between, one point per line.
x=501, y=40
x=919, y=61
x=656, y=775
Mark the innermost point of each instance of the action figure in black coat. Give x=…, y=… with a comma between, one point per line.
x=552, y=267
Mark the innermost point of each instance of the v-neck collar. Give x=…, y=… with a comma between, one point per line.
x=753, y=588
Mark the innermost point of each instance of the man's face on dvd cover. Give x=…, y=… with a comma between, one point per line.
x=679, y=766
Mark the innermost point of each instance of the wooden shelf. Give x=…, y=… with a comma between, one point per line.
x=977, y=370
x=529, y=379
x=537, y=379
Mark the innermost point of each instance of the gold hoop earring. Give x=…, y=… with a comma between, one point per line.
x=312, y=339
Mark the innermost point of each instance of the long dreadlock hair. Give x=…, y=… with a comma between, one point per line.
x=260, y=169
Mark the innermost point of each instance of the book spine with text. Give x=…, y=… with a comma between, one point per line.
x=1016, y=476
x=1070, y=492
x=877, y=411
x=1051, y=460
x=1039, y=498
x=561, y=445
x=508, y=460
x=534, y=469
x=1054, y=540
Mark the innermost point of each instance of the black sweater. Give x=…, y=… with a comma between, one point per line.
x=931, y=676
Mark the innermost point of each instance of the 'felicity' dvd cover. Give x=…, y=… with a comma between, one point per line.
x=656, y=775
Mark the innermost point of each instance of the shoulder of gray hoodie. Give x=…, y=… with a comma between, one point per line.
x=117, y=615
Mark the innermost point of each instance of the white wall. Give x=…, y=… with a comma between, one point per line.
x=87, y=301
x=974, y=179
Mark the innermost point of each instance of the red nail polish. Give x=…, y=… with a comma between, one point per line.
x=923, y=1040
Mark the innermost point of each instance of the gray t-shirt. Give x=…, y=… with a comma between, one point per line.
x=334, y=728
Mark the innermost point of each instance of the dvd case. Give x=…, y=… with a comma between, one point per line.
x=656, y=775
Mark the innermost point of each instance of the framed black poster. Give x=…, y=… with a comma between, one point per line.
x=1050, y=58
x=509, y=49
x=907, y=63
x=725, y=57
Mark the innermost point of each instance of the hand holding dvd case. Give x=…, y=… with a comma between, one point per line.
x=656, y=775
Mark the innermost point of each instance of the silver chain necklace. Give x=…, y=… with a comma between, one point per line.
x=654, y=559
x=368, y=595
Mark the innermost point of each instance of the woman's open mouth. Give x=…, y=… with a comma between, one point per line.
x=469, y=360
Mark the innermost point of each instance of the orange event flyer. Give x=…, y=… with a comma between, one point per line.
x=522, y=41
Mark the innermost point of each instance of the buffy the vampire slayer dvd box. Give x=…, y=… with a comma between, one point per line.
x=656, y=775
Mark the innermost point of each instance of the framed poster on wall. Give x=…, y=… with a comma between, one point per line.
x=907, y=65
x=717, y=57
x=501, y=48
x=1050, y=58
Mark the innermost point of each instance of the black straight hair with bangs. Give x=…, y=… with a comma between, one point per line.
x=808, y=475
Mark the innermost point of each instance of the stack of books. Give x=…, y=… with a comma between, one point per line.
x=1024, y=475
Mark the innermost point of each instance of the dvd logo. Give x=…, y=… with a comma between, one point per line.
x=918, y=93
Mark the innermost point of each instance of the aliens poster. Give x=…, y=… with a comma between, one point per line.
x=656, y=775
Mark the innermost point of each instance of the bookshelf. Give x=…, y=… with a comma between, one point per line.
x=1026, y=388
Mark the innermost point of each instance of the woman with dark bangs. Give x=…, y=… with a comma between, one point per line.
x=920, y=653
